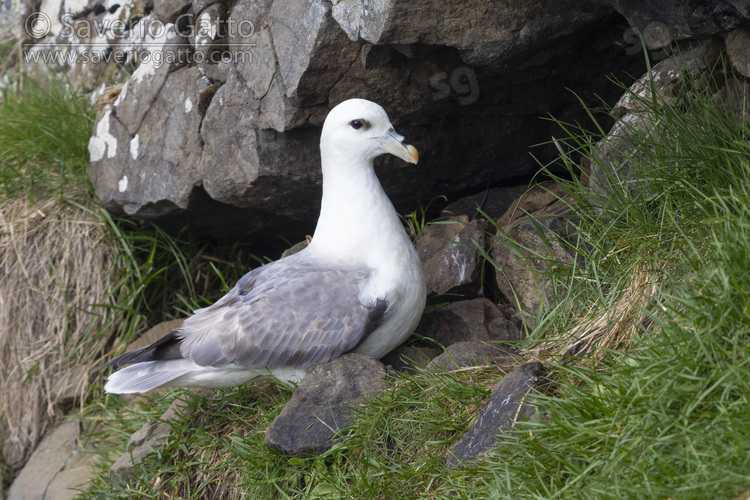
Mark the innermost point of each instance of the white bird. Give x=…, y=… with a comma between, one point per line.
x=358, y=286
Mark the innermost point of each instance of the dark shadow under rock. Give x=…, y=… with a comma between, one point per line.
x=477, y=319
x=507, y=406
x=406, y=358
x=320, y=406
x=492, y=202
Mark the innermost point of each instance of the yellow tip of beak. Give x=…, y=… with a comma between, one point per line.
x=412, y=154
x=391, y=143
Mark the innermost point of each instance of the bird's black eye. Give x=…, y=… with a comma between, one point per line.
x=358, y=124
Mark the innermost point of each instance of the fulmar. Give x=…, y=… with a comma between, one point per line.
x=357, y=287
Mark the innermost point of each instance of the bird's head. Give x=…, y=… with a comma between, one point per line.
x=361, y=129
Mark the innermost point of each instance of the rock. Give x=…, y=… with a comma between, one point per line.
x=200, y=5
x=532, y=200
x=149, y=337
x=527, y=247
x=507, y=405
x=738, y=51
x=167, y=140
x=257, y=170
x=667, y=77
x=609, y=162
x=155, y=333
x=477, y=319
x=312, y=52
x=502, y=32
x=318, y=407
x=473, y=353
x=663, y=21
x=451, y=90
x=297, y=247
x=450, y=255
x=57, y=469
x=525, y=260
x=406, y=358
x=143, y=442
x=210, y=29
x=169, y=10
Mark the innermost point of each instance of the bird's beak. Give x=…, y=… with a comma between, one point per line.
x=393, y=143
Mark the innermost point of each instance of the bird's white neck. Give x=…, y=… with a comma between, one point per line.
x=356, y=216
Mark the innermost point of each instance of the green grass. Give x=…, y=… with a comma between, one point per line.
x=43, y=138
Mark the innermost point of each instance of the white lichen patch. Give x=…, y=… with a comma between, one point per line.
x=188, y=105
x=122, y=185
x=207, y=29
x=134, y=147
x=103, y=142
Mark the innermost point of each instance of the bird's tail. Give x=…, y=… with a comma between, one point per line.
x=141, y=377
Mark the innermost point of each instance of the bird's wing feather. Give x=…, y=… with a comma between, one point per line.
x=286, y=313
x=167, y=347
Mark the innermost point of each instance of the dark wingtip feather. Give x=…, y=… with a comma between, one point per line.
x=168, y=347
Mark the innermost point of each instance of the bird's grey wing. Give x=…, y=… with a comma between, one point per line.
x=285, y=314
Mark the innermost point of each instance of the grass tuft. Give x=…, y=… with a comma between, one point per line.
x=662, y=298
x=43, y=139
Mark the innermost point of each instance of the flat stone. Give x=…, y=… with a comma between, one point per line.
x=57, y=469
x=320, y=405
x=507, y=406
x=155, y=333
x=70, y=385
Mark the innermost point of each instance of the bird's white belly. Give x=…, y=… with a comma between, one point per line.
x=407, y=303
